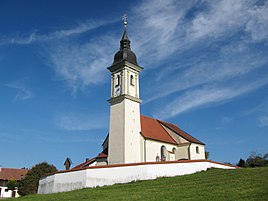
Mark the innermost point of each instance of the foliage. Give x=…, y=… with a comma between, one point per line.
x=241, y=163
x=12, y=184
x=206, y=154
x=29, y=184
x=254, y=160
x=216, y=184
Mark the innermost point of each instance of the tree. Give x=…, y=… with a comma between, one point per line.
x=12, y=184
x=241, y=163
x=256, y=160
x=29, y=184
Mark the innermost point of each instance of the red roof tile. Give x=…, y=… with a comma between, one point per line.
x=12, y=173
x=152, y=129
x=180, y=132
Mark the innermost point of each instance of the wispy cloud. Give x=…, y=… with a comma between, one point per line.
x=263, y=121
x=185, y=46
x=23, y=91
x=35, y=37
x=81, y=65
x=80, y=122
x=202, y=97
x=78, y=62
x=208, y=46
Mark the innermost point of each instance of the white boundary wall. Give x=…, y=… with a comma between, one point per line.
x=109, y=175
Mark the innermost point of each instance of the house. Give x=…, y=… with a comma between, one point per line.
x=8, y=174
x=135, y=138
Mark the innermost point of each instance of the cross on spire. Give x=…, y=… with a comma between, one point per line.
x=125, y=20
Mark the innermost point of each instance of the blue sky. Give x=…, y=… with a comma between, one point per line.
x=205, y=69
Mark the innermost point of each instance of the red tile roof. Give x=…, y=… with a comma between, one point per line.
x=152, y=129
x=85, y=164
x=181, y=133
x=12, y=174
x=102, y=155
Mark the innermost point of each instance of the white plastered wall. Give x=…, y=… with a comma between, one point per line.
x=92, y=177
x=116, y=138
x=193, y=154
x=132, y=131
x=153, y=148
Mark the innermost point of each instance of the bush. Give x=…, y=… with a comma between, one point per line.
x=29, y=184
x=12, y=184
x=254, y=160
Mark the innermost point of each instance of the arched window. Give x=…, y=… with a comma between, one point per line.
x=117, y=80
x=163, y=153
x=174, y=150
x=132, y=80
x=197, y=149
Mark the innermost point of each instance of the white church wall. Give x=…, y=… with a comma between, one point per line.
x=153, y=149
x=142, y=140
x=197, y=154
x=103, y=176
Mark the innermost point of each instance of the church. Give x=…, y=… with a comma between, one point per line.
x=135, y=138
x=137, y=147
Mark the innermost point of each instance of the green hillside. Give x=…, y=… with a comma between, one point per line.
x=214, y=184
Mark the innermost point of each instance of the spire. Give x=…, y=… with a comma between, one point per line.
x=125, y=53
x=124, y=37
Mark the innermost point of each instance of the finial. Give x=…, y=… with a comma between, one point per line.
x=125, y=20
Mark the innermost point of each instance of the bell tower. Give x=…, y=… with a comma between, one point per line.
x=124, y=133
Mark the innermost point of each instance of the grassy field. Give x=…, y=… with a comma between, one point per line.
x=214, y=184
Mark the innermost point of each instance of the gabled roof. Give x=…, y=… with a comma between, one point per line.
x=85, y=164
x=12, y=174
x=181, y=133
x=152, y=129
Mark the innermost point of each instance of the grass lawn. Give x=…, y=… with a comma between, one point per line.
x=214, y=184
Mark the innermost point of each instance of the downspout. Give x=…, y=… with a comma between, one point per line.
x=189, y=152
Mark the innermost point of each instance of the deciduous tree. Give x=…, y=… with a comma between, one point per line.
x=29, y=184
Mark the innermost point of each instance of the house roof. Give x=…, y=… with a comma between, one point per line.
x=181, y=133
x=152, y=129
x=12, y=174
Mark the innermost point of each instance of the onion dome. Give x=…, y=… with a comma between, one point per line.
x=125, y=53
